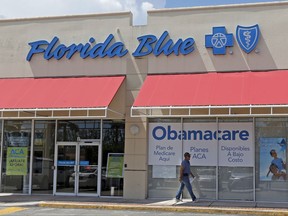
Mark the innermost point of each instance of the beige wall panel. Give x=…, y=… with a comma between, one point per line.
x=137, y=66
x=16, y=34
x=135, y=82
x=131, y=95
x=142, y=130
x=136, y=162
x=117, y=105
x=197, y=22
x=181, y=23
x=136, y=146
x=135, y=185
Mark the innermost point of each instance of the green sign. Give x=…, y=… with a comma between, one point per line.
x=16, y=163
x=115, y=165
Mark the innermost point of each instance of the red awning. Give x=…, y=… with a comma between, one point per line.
x=214, y=89
x=57, y=93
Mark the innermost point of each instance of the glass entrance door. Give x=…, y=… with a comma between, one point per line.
x=65, y=168
x=88, y=169
x=77, y=169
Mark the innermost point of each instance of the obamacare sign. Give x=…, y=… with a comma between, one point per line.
x=210, y=144
x=219, y=40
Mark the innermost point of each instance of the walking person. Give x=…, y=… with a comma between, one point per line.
x=185, y=172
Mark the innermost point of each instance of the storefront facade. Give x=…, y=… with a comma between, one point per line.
x=94, y=106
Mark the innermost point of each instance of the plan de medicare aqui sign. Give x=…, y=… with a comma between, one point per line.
x=246, y=36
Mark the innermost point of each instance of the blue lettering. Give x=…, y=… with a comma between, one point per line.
x=17, y=151
x=161, y=133
x=35, y=48
x=244, y=135
x=194, y=133
x=172, y=134
x=60, y=51
x=168, y=47
x=187, y=46
x=146, y=45
x=48, y=55
x=162, y=130
x=146, y=42
x=108, y=48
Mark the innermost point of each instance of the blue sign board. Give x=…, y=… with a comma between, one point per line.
x=219, y=40
x=247, y=37
x=66, y=163
x=84, y=163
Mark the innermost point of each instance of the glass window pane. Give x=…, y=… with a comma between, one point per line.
x=16, y=160
x=66, y=160
x=236, y=183
x=43, y=157
x=88, y=170
x=84, y=129
x=113, y=142
x=271, y=181
x=205, y=182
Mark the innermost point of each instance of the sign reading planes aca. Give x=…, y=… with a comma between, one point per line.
x=219, y=40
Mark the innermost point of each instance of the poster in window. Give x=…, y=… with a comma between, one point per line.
x=273, y=159
x=16, y=161
x=115, y=165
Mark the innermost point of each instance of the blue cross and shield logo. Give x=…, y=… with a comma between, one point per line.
x=247, y=37
x=219, y=40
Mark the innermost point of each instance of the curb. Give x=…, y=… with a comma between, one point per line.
x=196, y=209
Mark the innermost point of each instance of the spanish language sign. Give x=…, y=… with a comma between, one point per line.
x=115, y=164
x=165, y=147
x=16, y=161
x=236, y=146
x=225, y=144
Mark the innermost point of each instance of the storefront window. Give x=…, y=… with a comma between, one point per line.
x=43, y=157
x=15, y=159
x=71, y=130
x=112, y=158
x=271, y=157
x=236, y=183
x=222, y=157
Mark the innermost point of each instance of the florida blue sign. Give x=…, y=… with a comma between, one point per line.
x=219, y=40
x=247, y=37
x=148, y=44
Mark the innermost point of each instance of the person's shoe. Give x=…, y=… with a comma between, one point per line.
x=195, y=200
x=178, y=200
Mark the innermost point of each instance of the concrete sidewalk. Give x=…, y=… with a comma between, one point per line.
x=203, y=206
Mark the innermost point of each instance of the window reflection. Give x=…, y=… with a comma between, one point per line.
x=113, y=142
x=271, y=134
x=85, y=129
x=43, y=157
x=236, y=183
x=16, y=160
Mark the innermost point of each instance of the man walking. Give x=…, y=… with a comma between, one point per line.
x=185, y=172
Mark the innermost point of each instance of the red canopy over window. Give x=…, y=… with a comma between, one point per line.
x=51, y=93
x=220, y=89
x=217, y=90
